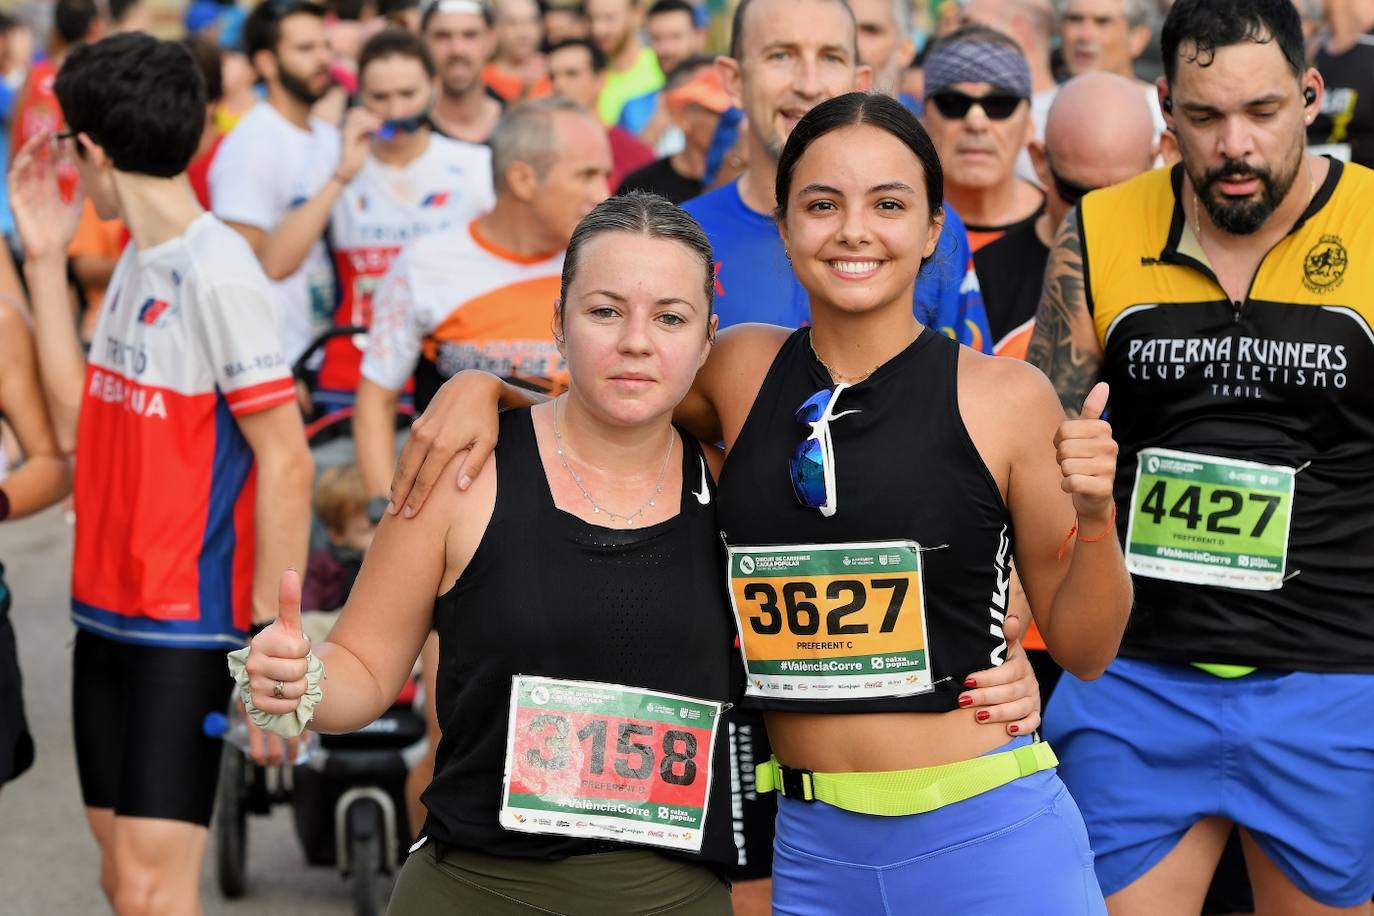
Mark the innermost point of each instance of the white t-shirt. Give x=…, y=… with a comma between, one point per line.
x=266, y=166
x=384, y=209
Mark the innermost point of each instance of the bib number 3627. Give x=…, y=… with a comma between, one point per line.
x=601, y=761
x=1210, y=521
x=831, y=622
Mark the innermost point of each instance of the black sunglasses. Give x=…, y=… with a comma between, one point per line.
x=1068, y=190
x=955, y=105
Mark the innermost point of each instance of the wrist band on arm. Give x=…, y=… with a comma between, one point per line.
x=1111, y=527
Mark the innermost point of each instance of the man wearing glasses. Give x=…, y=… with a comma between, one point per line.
x=977, y=112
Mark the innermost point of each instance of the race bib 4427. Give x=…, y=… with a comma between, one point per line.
x=602, y=761
x=832, y=621
x=1209, y=521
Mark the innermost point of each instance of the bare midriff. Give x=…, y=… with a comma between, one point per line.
x=878, y=742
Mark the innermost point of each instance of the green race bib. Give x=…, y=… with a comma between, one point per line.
x=1209, y=521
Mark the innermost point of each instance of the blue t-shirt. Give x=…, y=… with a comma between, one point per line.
x=754, y=281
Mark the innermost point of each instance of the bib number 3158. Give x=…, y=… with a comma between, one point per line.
x=601, y=761
x=1210, y=521
x=831, y=622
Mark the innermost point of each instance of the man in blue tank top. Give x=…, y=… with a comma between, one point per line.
x=786, y=57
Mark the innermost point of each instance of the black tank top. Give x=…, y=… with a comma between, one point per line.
x=548, y=594
x=906, y=469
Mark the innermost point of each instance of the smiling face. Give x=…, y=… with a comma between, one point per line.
x=1241, y=128
x=857, y=222
x=795, y=55
x=634, y=326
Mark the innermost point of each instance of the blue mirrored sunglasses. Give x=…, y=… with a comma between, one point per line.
x=812, y=465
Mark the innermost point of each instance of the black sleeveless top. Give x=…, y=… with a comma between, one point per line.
x=905, y=469
x=548, y=594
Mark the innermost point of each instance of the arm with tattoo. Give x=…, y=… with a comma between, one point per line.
x=1065, y=345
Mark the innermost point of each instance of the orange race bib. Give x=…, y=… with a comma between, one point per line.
x=831, y=621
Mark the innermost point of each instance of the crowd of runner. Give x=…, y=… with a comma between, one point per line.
x=1003, y=355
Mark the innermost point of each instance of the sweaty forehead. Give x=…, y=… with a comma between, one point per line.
x=801, y=22
x=1230, y=76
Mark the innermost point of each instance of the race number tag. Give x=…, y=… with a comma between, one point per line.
x=1209, y=521
x=831, y=622
x=604, y=762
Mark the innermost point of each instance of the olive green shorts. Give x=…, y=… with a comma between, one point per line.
x=631, y=883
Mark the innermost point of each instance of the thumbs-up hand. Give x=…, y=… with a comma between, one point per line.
x=277, y=663
x=277, y=657
x=1087, y=459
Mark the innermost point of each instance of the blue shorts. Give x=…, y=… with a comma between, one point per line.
x=1018, y=848
x=1150, y=749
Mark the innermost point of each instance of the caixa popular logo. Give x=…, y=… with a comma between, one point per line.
x=155, y=313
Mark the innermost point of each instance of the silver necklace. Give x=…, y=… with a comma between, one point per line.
x=597, y=508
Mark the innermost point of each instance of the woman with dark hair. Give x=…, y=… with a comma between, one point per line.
x=870, y=524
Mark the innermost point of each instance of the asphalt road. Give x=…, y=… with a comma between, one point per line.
x=49, y=863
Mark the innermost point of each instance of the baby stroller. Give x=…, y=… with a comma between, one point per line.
x=348, y=795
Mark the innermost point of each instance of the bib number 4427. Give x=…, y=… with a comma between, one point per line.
x=1209, y=521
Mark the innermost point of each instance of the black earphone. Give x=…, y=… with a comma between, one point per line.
x=1309, y=96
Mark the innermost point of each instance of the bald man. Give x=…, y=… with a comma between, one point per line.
x=1098, y=132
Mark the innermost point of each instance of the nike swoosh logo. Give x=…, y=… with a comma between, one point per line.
x=704, y=497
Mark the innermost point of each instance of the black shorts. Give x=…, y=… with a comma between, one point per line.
x=139, y=713
x=16, y=744
x=753, y=812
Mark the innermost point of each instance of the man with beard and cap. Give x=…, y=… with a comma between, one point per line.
x=787, y=56
x=1228, y=301
x=279, y=156
x=460, y=38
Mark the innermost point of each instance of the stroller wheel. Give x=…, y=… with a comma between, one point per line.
x=366, y=859
x=231, y=822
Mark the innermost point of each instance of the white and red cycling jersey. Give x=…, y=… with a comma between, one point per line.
x=190, y=340
x=384, y=209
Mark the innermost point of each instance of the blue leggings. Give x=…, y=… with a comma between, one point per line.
x=1021, y=848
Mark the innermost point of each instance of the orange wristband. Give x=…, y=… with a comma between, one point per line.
x=1111, y=526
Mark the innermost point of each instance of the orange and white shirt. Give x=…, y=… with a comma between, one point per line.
x=455, y=301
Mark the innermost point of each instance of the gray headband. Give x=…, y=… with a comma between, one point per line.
x=978, y=62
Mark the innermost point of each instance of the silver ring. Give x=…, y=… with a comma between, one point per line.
x=277, y=690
